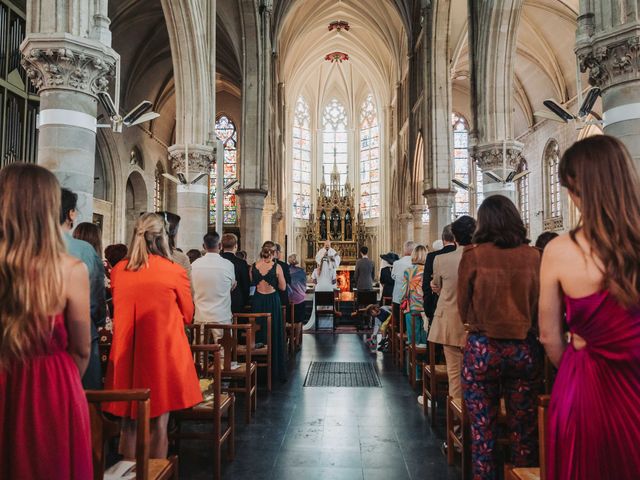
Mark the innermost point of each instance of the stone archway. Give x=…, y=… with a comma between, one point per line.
x=135, y=202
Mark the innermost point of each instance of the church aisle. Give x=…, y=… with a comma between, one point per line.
x=331, y=433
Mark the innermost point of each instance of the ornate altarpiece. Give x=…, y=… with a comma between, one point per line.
x=336, y=219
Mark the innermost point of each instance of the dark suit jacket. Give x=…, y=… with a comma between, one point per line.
x=240, y=294
x=364, y=274
x=430, y=298
x=387, y=282
x=284, y=294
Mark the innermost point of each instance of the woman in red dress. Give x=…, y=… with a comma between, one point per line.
x=152, y=302
x=592, y=274
x=44, y=334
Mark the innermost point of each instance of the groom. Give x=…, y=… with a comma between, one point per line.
x=327, y=251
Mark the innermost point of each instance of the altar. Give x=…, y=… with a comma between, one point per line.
x=336, y=219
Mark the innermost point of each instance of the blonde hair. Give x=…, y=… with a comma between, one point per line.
x=419, y=255
x=149, y=238
x=268, y=250
x=31, y=250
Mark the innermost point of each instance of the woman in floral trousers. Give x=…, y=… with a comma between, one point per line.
x=498, y=283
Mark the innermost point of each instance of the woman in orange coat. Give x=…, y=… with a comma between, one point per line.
x=152, y=302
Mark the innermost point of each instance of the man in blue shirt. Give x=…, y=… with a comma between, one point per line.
x=85, y=252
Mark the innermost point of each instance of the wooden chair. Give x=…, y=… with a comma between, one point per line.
x=293, y=333
x=534, y=473
x=434, y=377
x=262, y=355
x=243, y=379
x=215, y=406
x=460, y=440
x=393, y=328
x=326, y=305
x=105, y=337
x=415, y=351
x=387, y=301
x=401, y=341
x=194, y=333
x=104, y=429
x=360, y=303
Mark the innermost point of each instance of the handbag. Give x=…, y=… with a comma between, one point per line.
x=404, y=305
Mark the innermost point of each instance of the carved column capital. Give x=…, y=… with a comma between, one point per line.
x=611, y=59
x=492, y=155
x=200, y=158
x=66, y=62
x=439, y=198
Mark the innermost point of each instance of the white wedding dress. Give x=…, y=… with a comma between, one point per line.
x=325, y=282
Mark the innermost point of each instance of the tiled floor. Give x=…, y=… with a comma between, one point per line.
x=331, y=433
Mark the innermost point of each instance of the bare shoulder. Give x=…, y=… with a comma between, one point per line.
x=561, y=248
x=71, y=265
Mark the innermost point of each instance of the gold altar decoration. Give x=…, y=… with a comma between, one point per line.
x=335, y=219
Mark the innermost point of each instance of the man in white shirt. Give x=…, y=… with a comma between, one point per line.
x=397, y=273
x=213, y=278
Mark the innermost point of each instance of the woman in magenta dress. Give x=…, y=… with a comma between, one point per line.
x=593, y=274
x=44, y=335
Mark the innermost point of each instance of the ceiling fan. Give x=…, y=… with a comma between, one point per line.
x=511, y=178
x=137, y=115
x=558, y=113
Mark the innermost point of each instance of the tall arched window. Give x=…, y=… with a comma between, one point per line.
x=334, y=141
x=553, y=206
x=461, y=164
x=158, y=191
x=301, y=160
x=523, y=193
x=227, y=133
x=369, y=160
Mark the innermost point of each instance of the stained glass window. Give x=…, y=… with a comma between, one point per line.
x=523, y=193
x=158, y=190
x=552, y=161
x=334, y=141
x=461, y=164
x=369, y=160
x=227, y=133
x=301, y=160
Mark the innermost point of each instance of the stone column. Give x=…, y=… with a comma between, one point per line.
x=501, y=160
x=251, y=206
x=267, y=221
x=492, y=39
x=440, y=203
x=608, y=46
x=419, y=234
x=405, y=221
x=192, y=199
x=68, y=71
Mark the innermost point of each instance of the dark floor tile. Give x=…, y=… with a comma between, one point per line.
x=396, y=472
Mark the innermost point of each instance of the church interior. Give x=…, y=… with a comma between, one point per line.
x=363, y=123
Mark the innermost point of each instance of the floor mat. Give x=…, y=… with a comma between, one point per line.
x=342, y=374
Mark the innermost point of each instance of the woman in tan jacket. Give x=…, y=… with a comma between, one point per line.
x=446, y=328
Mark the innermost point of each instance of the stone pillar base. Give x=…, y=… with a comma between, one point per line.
x=251, y=206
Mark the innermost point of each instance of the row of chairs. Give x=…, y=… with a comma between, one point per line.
x=434, y=384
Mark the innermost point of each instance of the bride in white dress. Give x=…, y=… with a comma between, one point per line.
x=325, y=279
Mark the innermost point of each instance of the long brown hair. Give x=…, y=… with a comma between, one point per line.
x=600, y=172
x=31, y=249
x=91, y=234
x=149, y=238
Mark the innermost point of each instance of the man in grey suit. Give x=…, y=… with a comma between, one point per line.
x=364, y=274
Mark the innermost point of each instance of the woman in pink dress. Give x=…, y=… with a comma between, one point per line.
x=593, y=275
x=44, y=335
